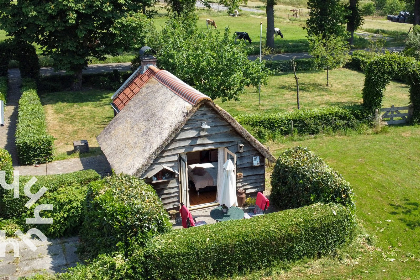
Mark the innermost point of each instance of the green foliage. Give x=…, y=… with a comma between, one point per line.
x=71, y=32
x=393, y=7
x=228, y=248
x=326, y=18
x=360, y=59
x=305, y=64
x=354, y=17
x=33, y=143
x=3, y=89
x=379, y=72
x=368, y=9
x=6, y=165
x=181, y=7
x=412, y=44
x=66, y=192
x=25, y=53
x=208, y=61
x=304, y=121
x=121, y=212
x=5, y=53
x=301, y=178
x=414, y=79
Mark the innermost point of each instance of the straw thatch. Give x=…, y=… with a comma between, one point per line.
x=147, y=122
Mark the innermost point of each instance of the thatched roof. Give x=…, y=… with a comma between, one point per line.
x=153, y=107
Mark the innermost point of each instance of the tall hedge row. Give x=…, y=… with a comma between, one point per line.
x=3, y=89
x=227, y=248
x=301, y=178
x=6, y=165
x=66, y=192
x=34, y=144
x=306, y=121
x=5, y=53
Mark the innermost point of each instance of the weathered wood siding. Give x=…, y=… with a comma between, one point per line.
x=220, y=134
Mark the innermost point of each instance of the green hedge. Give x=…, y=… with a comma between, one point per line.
x=120, y=211
x=228, y=248
x=33, y=143
x=304, y=121
x=25, y=53
x=6, y=165
x=301, y=178
x=65, y=191
x=305, y=64
x=3, y=89
x=360, y=59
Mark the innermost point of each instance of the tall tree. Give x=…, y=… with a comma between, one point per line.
x=269, y=9
x=72, y=32
x=207, y=60
x=326, y=18
x=354, y=18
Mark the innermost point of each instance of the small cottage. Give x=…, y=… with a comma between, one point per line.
x=176, y=139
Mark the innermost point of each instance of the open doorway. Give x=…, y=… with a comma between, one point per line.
x=202, y=176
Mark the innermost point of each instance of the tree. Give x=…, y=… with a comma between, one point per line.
x=354, y=18
x=208, y=61
x=326, y=18
x=232, y=5
x=71, y=32
x=269, y=9
x=329, y=52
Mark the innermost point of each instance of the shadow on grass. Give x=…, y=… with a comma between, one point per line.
x=409, y=212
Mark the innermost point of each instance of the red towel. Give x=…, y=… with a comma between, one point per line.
x=262, y=201
x=185, y=214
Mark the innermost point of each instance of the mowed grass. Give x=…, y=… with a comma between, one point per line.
x=383, y=170
x=73, y=116
x=345, y=89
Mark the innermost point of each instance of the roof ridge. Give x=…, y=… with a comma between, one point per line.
x=180, y=88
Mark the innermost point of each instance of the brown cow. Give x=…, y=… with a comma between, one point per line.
x=211, y=23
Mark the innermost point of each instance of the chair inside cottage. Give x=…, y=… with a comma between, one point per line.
x=261, y=205
x=188, y=220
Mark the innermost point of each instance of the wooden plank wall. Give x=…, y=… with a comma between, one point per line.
x=220, y=134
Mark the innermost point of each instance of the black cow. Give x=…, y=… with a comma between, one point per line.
x=243, y=36
x=278, y=32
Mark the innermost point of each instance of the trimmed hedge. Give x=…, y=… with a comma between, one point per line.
x=120, y=212
x=65, y=191
x=7, y=166
x=305, y=64
x=360, y=59
x=301, y=178
x=33, y=143
x=305, y=121
x=3, y=89
x=232, y=247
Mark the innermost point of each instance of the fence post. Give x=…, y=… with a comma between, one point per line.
x=377, y=118
x=1, y=113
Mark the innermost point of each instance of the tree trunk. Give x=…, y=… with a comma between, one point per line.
x=270, y=24
x=350, y=23
x=417, y=12
x=327, y=75
x=77, y=82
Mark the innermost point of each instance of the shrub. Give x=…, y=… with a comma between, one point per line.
x=304, y=121
x=33, y=143
x=3, y=89
x=393, y=7
x=4, y=57
x=66, y=192
x=6, y=165
x=368, y=9
x=121, y=211
x=360, y=59
x=301, y=178
x=228, y=248
x=25, y=53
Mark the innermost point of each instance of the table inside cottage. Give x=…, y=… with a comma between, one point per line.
x=233, y=213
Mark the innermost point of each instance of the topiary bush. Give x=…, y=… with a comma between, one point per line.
x=33, y=143
x=239, y=246
x=121, y=211
x=360, y=59
x=6, y=165
x=301, y=178
x=66, y=192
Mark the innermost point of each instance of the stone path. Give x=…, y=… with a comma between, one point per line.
x=51, y=257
